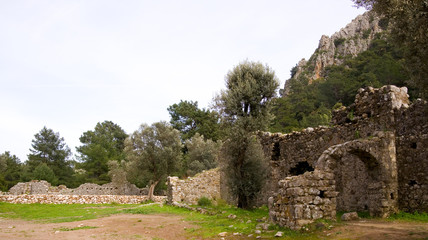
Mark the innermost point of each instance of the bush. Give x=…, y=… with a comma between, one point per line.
x=204, y=201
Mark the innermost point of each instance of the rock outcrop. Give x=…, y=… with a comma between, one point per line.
x=351, y=40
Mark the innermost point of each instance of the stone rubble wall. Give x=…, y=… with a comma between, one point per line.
x=376, y=110
x=76, y=199
x=190, y=190
x=44, y=187
x=302, y=199
x=412, y=157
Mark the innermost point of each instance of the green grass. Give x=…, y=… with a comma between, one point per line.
x=211, y=225
x=403, y=216
x=59, y=212
x=207, y=226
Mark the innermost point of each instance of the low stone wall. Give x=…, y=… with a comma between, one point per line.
x=44, y=187
x=76, y=199
x=205, y=184
x=302, y=199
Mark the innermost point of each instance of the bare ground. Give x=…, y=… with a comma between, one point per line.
x=122, y=226
x=159, y=226
x=378, y=229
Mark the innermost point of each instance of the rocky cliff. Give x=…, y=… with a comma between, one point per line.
x=351, y=40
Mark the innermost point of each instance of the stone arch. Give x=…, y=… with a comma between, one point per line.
x=365, y=174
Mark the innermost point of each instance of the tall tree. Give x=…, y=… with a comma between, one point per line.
x=408, y=22
x=245, y=108
x=49, y=148
x=10, y=171
x=105, y=143
x=153, y=153
x=187, y=118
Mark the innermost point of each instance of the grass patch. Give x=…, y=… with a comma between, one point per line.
x=65, y=229
x=59, y=212
x=208, y=226
x=416, y=216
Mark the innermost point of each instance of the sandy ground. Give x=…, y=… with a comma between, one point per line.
x=377, y=229
x=123, y=226
x=157, y=227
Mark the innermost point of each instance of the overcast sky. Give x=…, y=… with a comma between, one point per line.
x=69, y=64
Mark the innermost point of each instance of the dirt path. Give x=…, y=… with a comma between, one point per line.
x=123, y=226
x=159, y=226
x=377, y=229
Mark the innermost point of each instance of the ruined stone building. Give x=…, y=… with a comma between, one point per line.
x=374, y=158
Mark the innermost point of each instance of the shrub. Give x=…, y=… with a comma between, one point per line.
x=204, y=201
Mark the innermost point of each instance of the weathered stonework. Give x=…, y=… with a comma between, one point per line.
x=44, y=187
x=76, y=199
x=205, y=184
x=376, y=154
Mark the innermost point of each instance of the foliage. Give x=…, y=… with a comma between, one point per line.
x=10, y=171
x=201, y=154
x=43, y=172
x=187, y=118
x=49, y=148
x=153, y=153
x=204, y=201
x=103, y=144
x=117, y=172
x=309, y=105
x=408, y=23
x=245, y=108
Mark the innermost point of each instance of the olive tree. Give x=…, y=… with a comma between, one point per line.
x=153, y=152
x=245, y=108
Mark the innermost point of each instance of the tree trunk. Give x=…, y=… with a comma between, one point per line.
x=152, y=189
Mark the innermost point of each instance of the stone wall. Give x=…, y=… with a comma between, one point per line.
x=190, y=190
x=375, y=111
x=44, y=187
x=76, y=199
x=302, y=199
x=412, y=157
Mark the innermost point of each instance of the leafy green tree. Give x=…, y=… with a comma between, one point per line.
x=43, y=172
x=408, y=23
x=245, y=108
x=187, y=118
x=153, y=152
x=106, y=142
x=10, y=171
x=49, y=148
x=202, y=154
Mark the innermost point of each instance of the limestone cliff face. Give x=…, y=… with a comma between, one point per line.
x=351, y=40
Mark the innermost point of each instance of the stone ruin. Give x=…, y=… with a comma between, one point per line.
x=190, y=190
x=374, y=159
x=44, y=187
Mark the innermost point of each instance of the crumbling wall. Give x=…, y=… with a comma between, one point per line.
x=44, y=187
x=382, y=110
x=335, y=184
x=412, y=157
x=205, y=184
x=303, y=199
x=77, y=199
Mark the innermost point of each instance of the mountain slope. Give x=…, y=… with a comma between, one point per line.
x=357, y=56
